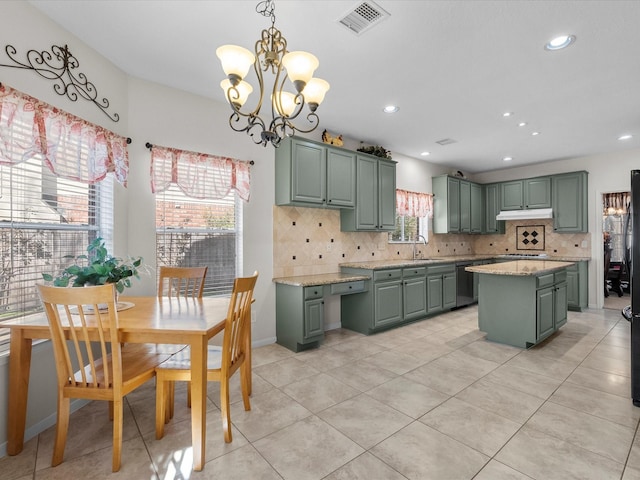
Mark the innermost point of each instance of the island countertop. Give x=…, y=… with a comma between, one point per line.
x=520, y=267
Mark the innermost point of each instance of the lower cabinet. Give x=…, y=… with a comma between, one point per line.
x=387, y=294
x=551, y=301
x=441, y=287
x=578, y=286
x=414, y=293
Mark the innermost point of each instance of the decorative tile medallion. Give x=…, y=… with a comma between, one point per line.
x=530, y=237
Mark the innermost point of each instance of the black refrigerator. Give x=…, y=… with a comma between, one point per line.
x=632, y=312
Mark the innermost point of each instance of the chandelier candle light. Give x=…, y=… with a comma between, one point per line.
x=271, y=53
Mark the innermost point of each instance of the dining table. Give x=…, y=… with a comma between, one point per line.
x=156, y=320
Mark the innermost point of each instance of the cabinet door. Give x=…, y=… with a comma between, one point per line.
x=366, y=193
x=465, y=207
x=388, y=303
x=560, y=305
x=492, y=208
x=545, y=312
x=387, y=196
x=449, y=290
x=512, y=195
x=341, y=178
x=313, y=318
x=434, y=293
x=453, y=204
x=477, y=208
x=308, y=172
x=570, y=203
x=415, y=298
x=573, y=296
x=537, y=192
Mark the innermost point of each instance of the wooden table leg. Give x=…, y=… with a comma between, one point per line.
x=19, y=369
x=199, y=401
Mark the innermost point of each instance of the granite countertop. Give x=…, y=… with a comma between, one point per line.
x=319, y=279
x=520, y=267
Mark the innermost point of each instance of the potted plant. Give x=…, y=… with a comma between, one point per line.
x=97, y=268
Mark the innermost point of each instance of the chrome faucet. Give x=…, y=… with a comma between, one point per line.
x=415, y=240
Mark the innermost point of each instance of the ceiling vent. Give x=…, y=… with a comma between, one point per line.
x=446, y=141
x=362, y=17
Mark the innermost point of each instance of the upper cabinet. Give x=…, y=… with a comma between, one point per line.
x=570, y=203
x=310, y=174
x=526, y=194
x=375, y=196
x=491, y=209
x=457, y=205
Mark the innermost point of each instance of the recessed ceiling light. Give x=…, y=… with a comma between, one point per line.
x=560, y=42
x=522, y=124
x=507, y=114
x=424, y=154
x=535, y=133
x=391, y=109
x=507, y=159
x=625, y=137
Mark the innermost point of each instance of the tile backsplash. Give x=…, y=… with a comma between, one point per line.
x=309, y=241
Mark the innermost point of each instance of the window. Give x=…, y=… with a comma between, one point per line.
x=42, y=219
x=408, y=227
x=413, y=211
x=192, y=232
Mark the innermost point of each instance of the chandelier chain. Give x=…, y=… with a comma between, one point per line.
x=267, y=8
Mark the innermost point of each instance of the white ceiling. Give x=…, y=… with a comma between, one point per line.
x=453, y=67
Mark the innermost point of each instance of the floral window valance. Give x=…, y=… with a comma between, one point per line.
x=199, y=175
x=414, y=204
x=72, y=148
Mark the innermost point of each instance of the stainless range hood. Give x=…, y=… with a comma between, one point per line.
x=530, y=214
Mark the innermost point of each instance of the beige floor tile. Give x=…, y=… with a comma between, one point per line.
x=604, y=363
x=366, y=466
x=537, y=362
x=583, y=430
x=631, y=474
x=491, y=351
x=309, y=449
x=604, y=405
x=284, y=372
x=634, y=454
x=481, y=430
x=365, y=420
x=500, y=400
x=16, y=466
x=359, y=348
x=409, y=397
x=544, y=457
x=339, y=335
x=420, y=452
x=259, y=385
x=243, y=463
x=425, y=351
x=524, y=380
x=397, y=360
x=323, y=359
x=319, y=392
x=269, y=354
x=499, y=471
x=270, y=411
x=598, y=380
x=362, y=375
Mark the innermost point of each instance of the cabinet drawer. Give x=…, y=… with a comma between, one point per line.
x=448, y=268
x=414, y=272
x=347, y=287
x=545, y=280
x=380, y=275
x=560, y=276
x=313, y=292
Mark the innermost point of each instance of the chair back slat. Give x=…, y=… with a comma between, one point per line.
x=238, y=316
x=88, y=327
x=181, y=281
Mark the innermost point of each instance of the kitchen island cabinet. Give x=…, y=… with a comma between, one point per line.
x=523, y=302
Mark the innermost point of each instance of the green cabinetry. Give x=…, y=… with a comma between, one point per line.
x=570, y=203
x=375, y=196
x=526, y=194
x=491, y=209
x=414, y=298
x=311, y=174
x=457, y=206
x=441, y=287
x=387, y=293
x=551, y=297
x=578, y=286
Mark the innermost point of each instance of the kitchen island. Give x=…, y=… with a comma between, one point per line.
x=521, y=303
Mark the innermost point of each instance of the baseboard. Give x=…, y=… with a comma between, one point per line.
x=263, y=342
x=332, y=326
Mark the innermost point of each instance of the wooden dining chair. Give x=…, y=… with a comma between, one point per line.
x=181, y=281
x=83, y=333
x=222, y=362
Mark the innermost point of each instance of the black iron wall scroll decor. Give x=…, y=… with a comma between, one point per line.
x=59, y=65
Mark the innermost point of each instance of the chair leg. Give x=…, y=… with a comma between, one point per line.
x=62, y=427
x=110, y=410
x=225, y=411
x=161, y=406
x=118, y=420
x=189, y=394
x=245, y=383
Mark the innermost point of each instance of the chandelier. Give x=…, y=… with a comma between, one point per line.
x=271, y=54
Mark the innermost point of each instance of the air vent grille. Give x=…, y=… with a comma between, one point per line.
x=364, y=16
x=446, y=141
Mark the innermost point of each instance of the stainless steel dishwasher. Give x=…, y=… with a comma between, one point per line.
x=464, y=282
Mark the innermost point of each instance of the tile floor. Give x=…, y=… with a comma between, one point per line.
x=431, y=400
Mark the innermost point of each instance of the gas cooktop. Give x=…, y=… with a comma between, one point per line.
x=526, y=255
